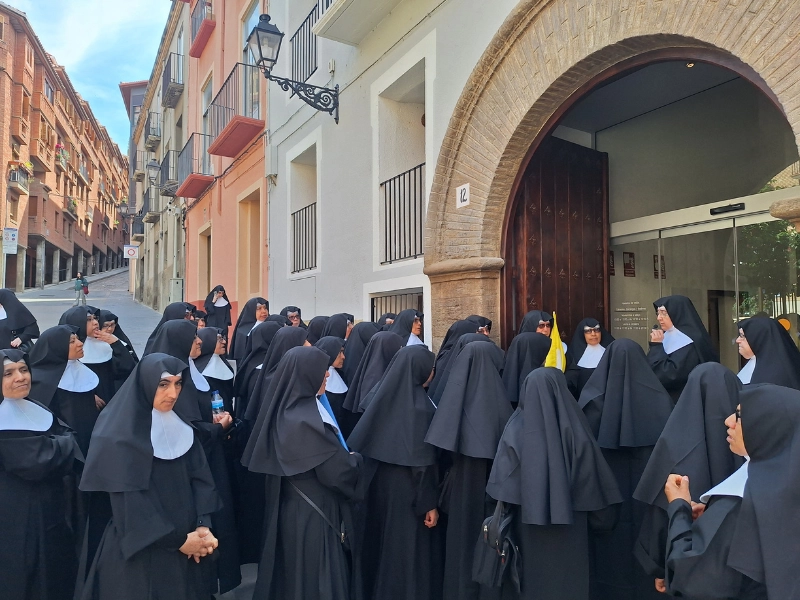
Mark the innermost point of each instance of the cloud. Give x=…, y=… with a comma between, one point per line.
x=101, y=43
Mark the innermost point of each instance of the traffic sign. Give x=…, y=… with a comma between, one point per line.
x=10, y=240
x=131, y=252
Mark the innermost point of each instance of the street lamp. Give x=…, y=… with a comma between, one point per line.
x=265, y=44
x=153, y=169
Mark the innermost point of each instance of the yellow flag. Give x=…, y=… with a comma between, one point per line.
x=556, y=357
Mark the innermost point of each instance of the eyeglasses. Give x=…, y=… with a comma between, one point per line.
x=662, y=312
x=738, y=414
x=544, y=324
x=587, y=329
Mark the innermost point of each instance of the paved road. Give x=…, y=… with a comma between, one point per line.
x=108, y=292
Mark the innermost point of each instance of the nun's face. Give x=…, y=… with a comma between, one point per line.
x=200, y=323
x=167, y=393
x=350, y=328
x=744, y=348
x=16, y=380
x=485, y=330
x=322, y=387
x=662, y=316
x=294, y=318
x=222, y=345
x=592, y=335
x=196, y=347
x=416, y=328
x=261, y=312
x=544, y=328
x=108, y=326
x=91, y=325
x=430, y=378
x=339, y=360
x=306, y=343
x=75, y=348
x=735, y=438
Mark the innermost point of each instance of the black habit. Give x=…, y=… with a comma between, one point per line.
x=458, y=347
x=404, y=322
x=315, y=327
x=527, y=352
x=18, y=321
x=777, y=358
x=583, y=359
x=218, y=316
x=444, y=355
x=356, y=346
x=237, y=345
x=379, y=353
x=173, y=312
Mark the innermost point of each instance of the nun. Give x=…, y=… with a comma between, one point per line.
x=179, y=339
x=201, y=319
x=739, y=541
x=104, y=353
x=294, y=315
x=527, y=352
x=778, y=359
x=173, y=312
x=537, y=321
x=378, y=354
x=315, y=327
x=627, y=409
x=400, y=547
x=408, y=325
x=248, y=368
x=356, y=346
x=218, y=309
x=63, y=383
x=692, y=443
x=211, y=364
x=109, y=322
x=385, y=320
x=37, y=451
x=18, y=327
x=549, y=466
x=255, y=312
x=311, y=475
x=679, y=345
x=468, y=423
x=588, y=345
x=455, y=331
x=484, y=324
x=335, y=387
x=339, y=325
x=459, y=346
x=159, y=539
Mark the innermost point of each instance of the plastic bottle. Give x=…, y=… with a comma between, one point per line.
x=217, y=406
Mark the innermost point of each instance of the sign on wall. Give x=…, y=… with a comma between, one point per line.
x=131, y=252
x=10, y=240
x=462, y=196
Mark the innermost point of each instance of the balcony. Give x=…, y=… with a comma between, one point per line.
x=149, y=212
x=304, y=48
x=172, y=81
x=203, y=25
x=194, y=167
x=20, y=130
x=152, y=131
x=62, y=160
x=38, y=226
x=304, y=239
x=137, y=231
x=43, y=105
x=169, y=173
x=403, y=216
x=349, y=21
x=138, y=164
x=71, y=208
x=18, y=181
x=107, y=221
x=235, y=112
x=41, y=154
x=83, y=172
x=89, y=216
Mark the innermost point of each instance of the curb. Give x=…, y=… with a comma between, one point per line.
x=69, y=283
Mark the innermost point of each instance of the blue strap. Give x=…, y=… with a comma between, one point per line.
x=324, y=401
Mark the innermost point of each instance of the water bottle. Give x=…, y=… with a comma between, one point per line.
x=217, y=406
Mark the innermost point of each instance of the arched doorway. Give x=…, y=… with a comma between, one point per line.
x=536, y=67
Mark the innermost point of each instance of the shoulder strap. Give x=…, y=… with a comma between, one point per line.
x=339, y=533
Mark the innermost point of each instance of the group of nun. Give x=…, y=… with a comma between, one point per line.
x=352, y=463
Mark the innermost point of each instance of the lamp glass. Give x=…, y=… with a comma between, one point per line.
x=153, y=168
x=265, y=42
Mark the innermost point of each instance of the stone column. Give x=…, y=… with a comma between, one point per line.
x=68, y=273
x=56, y=266
x=40, y=258
x=22, y=256
x=96, y=265
x=788, y=210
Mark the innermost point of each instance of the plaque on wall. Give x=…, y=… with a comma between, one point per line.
x=611, y=271
x=655, y=267
x=629, y=264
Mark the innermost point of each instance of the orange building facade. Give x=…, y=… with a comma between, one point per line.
x=66, y=180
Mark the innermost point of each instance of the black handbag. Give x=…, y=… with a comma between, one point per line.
x=496, y=556
x=340, y=531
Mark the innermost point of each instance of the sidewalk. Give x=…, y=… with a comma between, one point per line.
x=70, y=283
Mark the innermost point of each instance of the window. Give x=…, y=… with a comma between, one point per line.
x=28, y=54
x=395, y=302
x=49, y=92
x=250, y=21
x=55, y=221
x=2, y=27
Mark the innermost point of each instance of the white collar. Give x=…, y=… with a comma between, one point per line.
x=199, y=381
x=732, y=486
x=96, y=352
x=3, y=313
x=413, y=340
x=746, y=374
x=78, y=377
x=221, y=302
x=591, y=356
x=674, y=340
x=335, y=383
x=24, y=415
x=256, y=324
x=217, y=369
x=170, y=436
x=326, y=416
x=259, y=366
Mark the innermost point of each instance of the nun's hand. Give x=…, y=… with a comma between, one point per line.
x=661, y=586
x=431, y=518
x=99, y=402
x=657, y=336
x=225, y=419
x=698, y=508
x=16, y=342
x=104, y=336
x=197, y=546
x=677, y=487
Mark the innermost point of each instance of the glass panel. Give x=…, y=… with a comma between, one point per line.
x=768, y=271
x=700, y=265
x=633, y=287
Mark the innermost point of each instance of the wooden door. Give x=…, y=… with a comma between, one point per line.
x=556, y=243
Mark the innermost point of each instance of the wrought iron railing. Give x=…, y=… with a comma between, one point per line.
x=403, y=215
x=239, y=95
x=20, y=178
x=169, y=173
x=152, y=130
x=325, y=5
x=146, y=201
x=194, y=158
x=304, y=48
x=84, y=171
x=202, y=11
x=138, y=164
x=138, y=226
x=172, y=80
x=395, y=303
x=304, y=238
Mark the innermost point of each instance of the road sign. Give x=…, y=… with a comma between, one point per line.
x=10, y=240
x=131, y=252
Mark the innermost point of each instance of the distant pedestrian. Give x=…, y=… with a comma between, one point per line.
x=81, y=287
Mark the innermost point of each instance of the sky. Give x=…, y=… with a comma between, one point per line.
x=101, y=43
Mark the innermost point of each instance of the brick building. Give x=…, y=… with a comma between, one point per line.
x=65, y=178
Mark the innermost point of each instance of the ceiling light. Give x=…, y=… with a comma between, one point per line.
x=689, y=65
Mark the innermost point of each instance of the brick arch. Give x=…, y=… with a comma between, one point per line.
x=547, y=54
